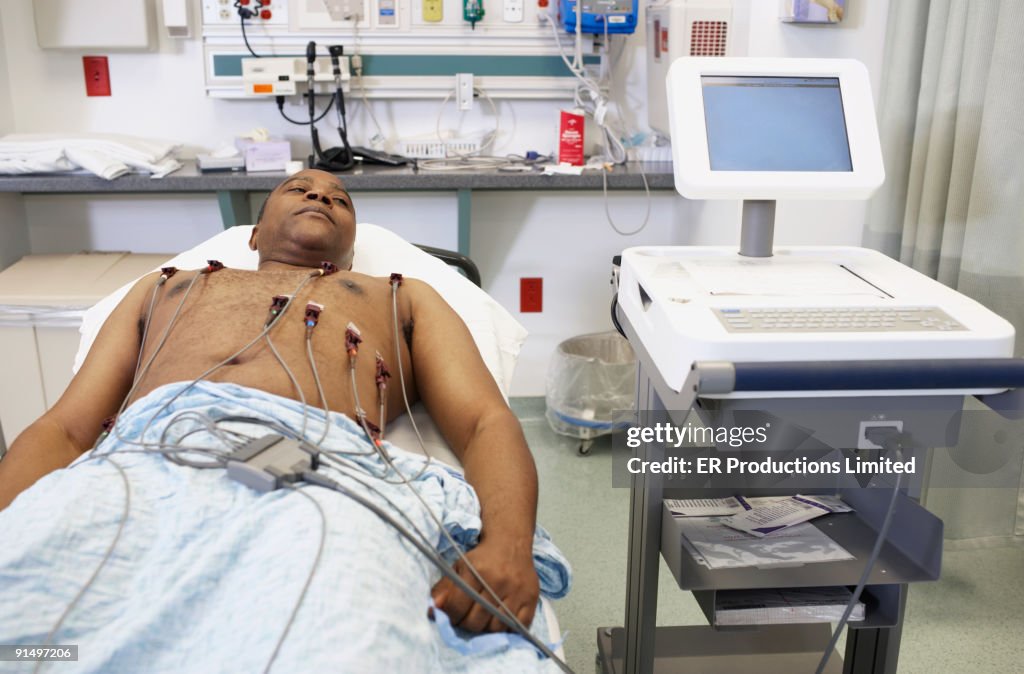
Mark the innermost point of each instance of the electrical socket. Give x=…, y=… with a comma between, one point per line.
x=512, y=11
x=464, y=90
x=97, y=76
x=344, y=10
x=531, y=295
x=221, y=13
x=862, y=439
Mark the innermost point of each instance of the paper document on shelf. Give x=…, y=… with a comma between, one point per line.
x=790, y=511
x=783, y=278
x=717, y=546
x=703, y=507
x=780, y=606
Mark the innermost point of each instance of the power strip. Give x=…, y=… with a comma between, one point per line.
x=438, y=150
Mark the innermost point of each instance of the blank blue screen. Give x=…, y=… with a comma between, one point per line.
x=775, y=124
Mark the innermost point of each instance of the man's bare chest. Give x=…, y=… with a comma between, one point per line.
x=220, y=312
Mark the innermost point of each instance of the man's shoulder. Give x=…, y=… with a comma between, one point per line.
x=407, y=283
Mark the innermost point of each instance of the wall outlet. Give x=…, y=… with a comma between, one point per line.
x=344, y=10
x=97, y=76
x=512, y=11
x=862, y=439
x=464, y=90
x=531, y=295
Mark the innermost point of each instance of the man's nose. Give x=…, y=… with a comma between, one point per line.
x=314, y=196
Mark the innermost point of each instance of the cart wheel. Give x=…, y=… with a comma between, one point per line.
x=584, y=448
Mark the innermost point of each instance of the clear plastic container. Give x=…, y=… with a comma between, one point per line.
x=591, y=386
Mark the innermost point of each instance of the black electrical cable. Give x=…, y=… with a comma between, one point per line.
x=246, y=38
x=246, y=13
x=280, y=108
x=896, y=445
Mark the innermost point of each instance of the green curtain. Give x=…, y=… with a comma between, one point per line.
x=951, y=118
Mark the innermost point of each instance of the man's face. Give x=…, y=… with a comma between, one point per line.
x=307, y=219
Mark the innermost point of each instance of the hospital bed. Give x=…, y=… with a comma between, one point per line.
x=378, y=252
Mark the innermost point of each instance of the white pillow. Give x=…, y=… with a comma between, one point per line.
x=378, y=252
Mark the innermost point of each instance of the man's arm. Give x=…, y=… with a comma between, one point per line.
x=72, y=425
x=461, y=396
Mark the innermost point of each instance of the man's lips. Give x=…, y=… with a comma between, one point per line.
x=317, y=210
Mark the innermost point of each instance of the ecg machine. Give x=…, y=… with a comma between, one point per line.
x=784, y=329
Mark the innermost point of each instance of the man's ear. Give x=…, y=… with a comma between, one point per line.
x=252, y=238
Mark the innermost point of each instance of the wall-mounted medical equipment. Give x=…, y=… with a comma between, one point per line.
x=100, y=24
x=286, y=75
x=598, y=17
x=406, y=48
x=473, y=12
x=677, y=28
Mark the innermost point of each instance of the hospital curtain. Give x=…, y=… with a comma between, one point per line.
x=951, y=118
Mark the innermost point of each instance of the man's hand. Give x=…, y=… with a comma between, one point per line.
x=510, y=574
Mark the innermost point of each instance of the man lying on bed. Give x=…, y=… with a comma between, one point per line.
x=308, y=219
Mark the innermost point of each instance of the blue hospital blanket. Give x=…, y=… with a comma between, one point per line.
x=207, y=571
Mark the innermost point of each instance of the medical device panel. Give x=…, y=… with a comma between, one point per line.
x=599, y=16
x=770, y=129
x=758, y=130
x=827, y=303
x=677, y=28
x=400, y=48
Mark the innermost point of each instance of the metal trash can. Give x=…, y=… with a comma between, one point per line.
x=590, y=389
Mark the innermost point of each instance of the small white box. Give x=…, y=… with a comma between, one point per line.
x=269, y=155
x=42, y=301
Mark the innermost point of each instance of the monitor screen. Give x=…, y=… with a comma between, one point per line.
x=775, y=124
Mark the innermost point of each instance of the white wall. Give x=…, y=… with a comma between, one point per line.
x=561, y=236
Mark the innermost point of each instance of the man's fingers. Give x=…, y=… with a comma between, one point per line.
x=525, y=614
x=457, y=603
x=477, y=619
x=439, y=593
x=495, y=625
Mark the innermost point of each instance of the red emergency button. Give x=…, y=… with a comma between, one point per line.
x=542, y=3
x=265, y=14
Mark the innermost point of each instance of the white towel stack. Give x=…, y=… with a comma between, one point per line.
x=104, y=154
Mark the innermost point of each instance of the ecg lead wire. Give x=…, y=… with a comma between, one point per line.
x=396, y=281
x=103, y=562
x=446, y=569
x=228, y=359
x=309, y=578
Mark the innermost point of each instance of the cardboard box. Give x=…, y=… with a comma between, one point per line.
x=268, y=155
x=42, y=300
x=571, y=125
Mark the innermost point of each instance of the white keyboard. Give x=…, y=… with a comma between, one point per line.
x=836, y=319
